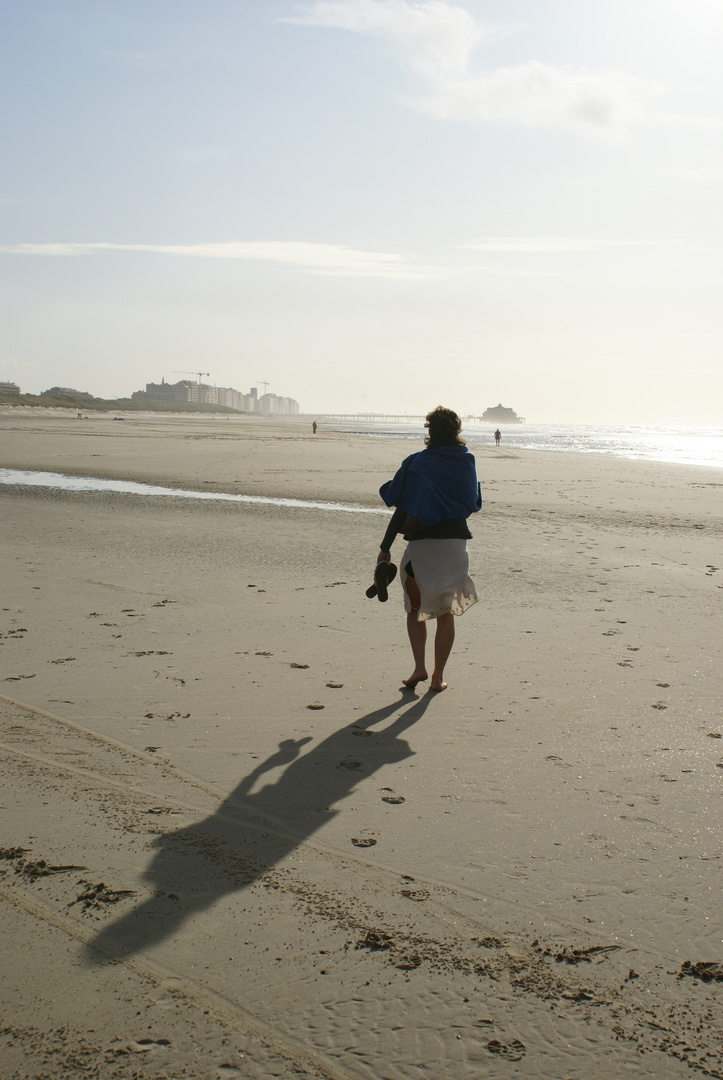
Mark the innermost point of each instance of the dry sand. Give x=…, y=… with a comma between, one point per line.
x=232, y=846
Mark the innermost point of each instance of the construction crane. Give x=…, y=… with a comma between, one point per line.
x=263, y=383
x=199, y=373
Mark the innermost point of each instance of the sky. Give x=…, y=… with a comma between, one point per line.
x=368, y=205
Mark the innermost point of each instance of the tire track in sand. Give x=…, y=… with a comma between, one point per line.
x=331, y=948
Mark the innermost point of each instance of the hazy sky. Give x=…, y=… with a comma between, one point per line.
x=371, y=204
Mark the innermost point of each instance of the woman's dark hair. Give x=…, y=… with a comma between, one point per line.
x=444, y=428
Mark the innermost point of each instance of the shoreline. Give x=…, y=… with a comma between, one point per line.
x=174, y=452
x=248, y=426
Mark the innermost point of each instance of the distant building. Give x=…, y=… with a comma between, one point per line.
x=500, y=414
x=188, y=391
x=164, y=391
x=271, y=405
x=9, y=388
x=65, y=391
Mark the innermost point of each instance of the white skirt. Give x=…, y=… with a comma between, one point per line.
x=441, y=571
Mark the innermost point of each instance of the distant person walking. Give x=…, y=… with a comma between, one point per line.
x=313, y=427
x=498, y=436
x=434, y=493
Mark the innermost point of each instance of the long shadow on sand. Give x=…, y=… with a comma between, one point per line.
x=250, y=833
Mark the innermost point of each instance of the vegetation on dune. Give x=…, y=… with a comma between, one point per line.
x=87, y=403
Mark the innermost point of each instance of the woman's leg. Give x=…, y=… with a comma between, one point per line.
x=417, y=632
x=443, y=642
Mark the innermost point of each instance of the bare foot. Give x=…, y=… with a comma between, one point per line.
x=417, y=677
x=437, y=685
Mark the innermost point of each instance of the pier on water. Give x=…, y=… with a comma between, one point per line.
x=381, y=418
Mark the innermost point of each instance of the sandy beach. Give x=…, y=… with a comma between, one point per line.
x=234, y=846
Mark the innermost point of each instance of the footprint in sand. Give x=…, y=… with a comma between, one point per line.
x=393, y=799
x=415, y=894
x=558, y=761
x=409, y=961
x=513, y=1051
x=364, y=841
x=140, y=1046
x=95, y=896
x=706, y=970
x=374, y=940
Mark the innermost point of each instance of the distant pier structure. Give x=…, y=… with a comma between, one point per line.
x=374, y=418
x=500, y=414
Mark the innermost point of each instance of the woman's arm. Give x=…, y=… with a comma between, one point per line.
x=395, y=526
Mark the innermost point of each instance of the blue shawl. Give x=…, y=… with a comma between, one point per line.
x=435, y=485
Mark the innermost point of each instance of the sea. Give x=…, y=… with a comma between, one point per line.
x=675, y=445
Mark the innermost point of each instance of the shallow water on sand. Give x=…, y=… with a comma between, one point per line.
x=61, y=482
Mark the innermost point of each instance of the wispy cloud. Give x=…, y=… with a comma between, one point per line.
x=698, y=176
x=436, y=39
x=546, y=244
x=543, y=96
x=322, y=259
x=333, y=259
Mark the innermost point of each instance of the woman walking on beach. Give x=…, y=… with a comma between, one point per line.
x=434, y=493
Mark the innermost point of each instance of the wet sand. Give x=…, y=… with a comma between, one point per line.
x=232, y=844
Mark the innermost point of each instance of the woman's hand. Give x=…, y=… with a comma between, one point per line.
x=384, y=556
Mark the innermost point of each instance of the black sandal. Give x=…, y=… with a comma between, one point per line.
x=384, y=574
